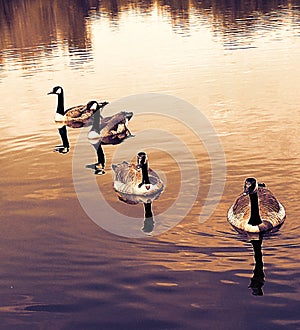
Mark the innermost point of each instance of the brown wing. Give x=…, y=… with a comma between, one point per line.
x=127, y=173
x=79, y=113
x=75, y=112
x=115, y=123
x=241, y=207
x=154, y=177
x=267, y=203
x=115, y=138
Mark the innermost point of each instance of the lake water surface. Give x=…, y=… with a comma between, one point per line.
x=214, y=87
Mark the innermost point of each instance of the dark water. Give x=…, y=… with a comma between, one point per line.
x=237, y=64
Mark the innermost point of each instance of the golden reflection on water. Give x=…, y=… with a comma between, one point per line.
x=237, y=63
x=33, y=28
x=237, y=89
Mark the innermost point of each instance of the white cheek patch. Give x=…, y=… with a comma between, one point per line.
x=58, y=91
x=94, y=106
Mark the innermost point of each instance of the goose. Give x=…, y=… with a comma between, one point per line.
x=110, y=130
x=79, y=114
x=137, y=179
x=256, y=209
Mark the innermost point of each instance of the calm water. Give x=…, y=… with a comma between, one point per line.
x=238, y=68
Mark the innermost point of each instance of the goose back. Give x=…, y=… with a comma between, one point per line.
x=127, y=178
x=115, y=124
x=271, y=212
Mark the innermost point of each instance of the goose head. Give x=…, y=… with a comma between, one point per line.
x=142, y=160
x=250, y=186
x=60, y=110
x=128, y=115
x=58, y=90
x=103, y=104
x=93, y=105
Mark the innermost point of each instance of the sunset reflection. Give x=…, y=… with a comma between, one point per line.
x=34, y=29
x=214, y=89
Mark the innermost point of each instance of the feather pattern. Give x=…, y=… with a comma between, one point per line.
x=115, y=124
x=79, y=112
x=128, y=179
x=271, y=212
x=111, y=129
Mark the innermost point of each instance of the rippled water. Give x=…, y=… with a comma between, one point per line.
x=238, y=66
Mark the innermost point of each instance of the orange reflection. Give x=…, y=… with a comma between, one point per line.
x=33, y=28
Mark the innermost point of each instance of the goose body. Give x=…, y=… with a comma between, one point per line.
x=137, y=179
x=110, y=130
x=256, y=210
x=75, y=116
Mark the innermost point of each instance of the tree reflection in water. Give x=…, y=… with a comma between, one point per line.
x=33, y=29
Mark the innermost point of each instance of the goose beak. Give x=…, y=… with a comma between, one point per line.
x=103, y=104
x=50, y=93
x=147, y=186
x=128, y=115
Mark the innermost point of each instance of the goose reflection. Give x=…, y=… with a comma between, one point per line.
x=65, y=146
x=149, y=222
x=258, y=278
x=99, y=166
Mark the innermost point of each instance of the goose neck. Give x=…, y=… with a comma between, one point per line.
x=60, y=104
x=255, y=219
x=145, y=173
x=96, y=122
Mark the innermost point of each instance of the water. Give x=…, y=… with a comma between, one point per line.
x=238, y=65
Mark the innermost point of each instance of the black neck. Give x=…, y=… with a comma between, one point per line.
x=145, y=174
x=60, y=104
x=96, y=122
x=255, y=219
